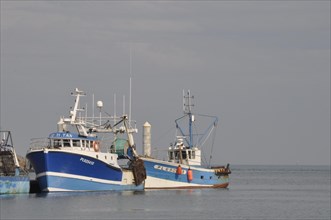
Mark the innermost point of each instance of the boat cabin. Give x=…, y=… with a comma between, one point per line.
x=184, y=155
x=67, y=139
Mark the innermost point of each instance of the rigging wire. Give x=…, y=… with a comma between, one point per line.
x=212, y=146
x=164, y=134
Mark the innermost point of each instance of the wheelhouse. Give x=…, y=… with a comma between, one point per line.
x=72, y=140
x=184, y=155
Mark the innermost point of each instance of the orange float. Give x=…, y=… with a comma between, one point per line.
x=179, y=170
x=189, y=175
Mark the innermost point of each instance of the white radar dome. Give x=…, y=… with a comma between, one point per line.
x=99, y=104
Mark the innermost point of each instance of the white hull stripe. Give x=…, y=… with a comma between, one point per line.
x=54, y=189
x=66, y=175
x=152, y=182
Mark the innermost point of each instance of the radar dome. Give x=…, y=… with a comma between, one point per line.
x=99, y=104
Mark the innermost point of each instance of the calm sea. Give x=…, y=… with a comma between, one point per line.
x=255, y=192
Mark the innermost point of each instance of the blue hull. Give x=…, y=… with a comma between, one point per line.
x=65, y=171
x=14, y=184
x=162, y=174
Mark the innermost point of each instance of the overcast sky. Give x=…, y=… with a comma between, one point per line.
x=262, y=67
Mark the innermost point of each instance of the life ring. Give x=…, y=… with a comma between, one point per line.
x=96, y=146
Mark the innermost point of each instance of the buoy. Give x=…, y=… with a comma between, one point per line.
x=179, y=170
x=189, y=175
x=96, y=146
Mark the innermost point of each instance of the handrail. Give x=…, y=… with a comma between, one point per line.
x=38, y=143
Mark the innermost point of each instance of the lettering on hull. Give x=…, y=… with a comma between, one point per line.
x=87, y=161
x=167, y=169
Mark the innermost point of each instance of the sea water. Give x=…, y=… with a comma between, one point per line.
x=255, y=192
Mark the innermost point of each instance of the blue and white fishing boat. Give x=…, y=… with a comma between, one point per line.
x=13, y=177
x=81, y=156
x=184, y=168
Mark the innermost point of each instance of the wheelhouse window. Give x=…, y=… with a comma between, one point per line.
x=193, y=154
x=56, y=143
x=76, y=143
x=176, y=155
x=171, y=155
x=66, y=142
x=86, y=143
x=184, y=155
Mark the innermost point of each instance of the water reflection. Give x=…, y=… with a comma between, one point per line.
x=86, y=193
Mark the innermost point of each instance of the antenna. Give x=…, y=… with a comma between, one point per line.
x=93, y=106
x=123, y=104
x=130, y=104
x=85, y=112
x=183, y=101
x=130, y=84
x=115, y=108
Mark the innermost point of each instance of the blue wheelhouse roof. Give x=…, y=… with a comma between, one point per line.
x=69, y=135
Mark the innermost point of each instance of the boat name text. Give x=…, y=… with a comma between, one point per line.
x=86, y=161
x=168, y=169
x=61, y=135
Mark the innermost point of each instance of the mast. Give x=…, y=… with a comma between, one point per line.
x=187, y=110
x=73, y=113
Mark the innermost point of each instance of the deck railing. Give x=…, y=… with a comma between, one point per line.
x=38, y=143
